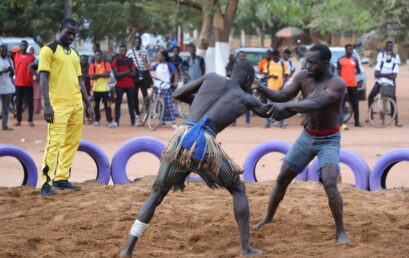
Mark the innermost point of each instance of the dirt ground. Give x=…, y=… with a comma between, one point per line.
x=95, y=221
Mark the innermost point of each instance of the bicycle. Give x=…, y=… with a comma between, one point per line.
x=383, y=110
x=153, y=108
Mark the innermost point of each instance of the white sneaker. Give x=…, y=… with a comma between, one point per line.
x=112, y=125
x=136, y=124
x=96, y=123
x=174, y=126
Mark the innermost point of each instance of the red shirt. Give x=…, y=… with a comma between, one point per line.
x=122, y=64
x=347, y=67
x=23, y=76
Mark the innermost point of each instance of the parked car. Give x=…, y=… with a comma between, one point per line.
x=11, y=42
x=253, y=54
x=337, y=53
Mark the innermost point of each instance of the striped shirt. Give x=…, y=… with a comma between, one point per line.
x=134, y=54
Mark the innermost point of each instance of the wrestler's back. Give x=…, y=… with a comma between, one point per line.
x=220, y=99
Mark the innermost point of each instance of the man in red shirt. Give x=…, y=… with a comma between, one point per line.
x=348, y=67
x=124, y=70
x=24, y=82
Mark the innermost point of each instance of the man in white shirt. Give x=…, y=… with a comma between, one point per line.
x=143, y=79
x=386, y=71
x=6, y=86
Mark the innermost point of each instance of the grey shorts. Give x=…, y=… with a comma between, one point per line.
x=307, y=146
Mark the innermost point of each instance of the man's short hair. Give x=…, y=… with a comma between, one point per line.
x=139, y=38
x=348, y=45
x=67, y=21
x=275, y=52
x=24, y=41
x=269, y=51
x=243, y=68
x=4, y=46
x=287, y=51
x=192, y=45
x=389, y=42
x=324, y=51
x=122, y=45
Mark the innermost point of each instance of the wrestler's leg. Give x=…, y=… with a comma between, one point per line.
x=241, y=214
x=145, y=215
x=277, y=195
x=329, y=180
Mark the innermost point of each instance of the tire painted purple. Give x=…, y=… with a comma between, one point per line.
x=380, y=170
x=357, y=164
x=127, y=150
x=258, y=152
x=100, y=158
x=29, y=166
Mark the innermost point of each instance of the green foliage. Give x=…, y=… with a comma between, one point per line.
x=35, y=18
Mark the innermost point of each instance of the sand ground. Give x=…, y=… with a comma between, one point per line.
x=94, y=222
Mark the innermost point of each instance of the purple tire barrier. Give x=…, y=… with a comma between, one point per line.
x=29, y=166
x=100, y=158
x=377, y=179
x=259, y=151
x=357, y=164
x=127, y=150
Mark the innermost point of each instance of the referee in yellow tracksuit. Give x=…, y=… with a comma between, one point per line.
x=63, y=93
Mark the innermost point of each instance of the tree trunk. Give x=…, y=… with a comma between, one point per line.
x=67, y=9
x=222, y=24
x=205, y=33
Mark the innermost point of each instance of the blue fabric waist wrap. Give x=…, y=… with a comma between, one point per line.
x=196, y=134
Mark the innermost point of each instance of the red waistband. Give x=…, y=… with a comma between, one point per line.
x=322, y=132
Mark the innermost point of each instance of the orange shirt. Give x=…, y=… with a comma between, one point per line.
x=100, y=84
x=347, y=67
x=262, y=66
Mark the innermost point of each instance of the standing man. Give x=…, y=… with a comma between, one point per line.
x=348, y=67
x=99, y=73
x=323, y=94
x=289, y=63
x=194, y=148
x=63, y=93
x=24, y=83
x=177, y=61
x=142, y=77
x=124, y=71
x=196, y=64
x=6, y=87
x=386, y=71
x=277, y=72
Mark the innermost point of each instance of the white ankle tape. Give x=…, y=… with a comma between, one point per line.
x=138, y=228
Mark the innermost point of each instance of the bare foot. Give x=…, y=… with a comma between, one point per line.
x=261, y=223
x=342, y=238
x=250, y=252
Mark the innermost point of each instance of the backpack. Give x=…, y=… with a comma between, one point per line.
x=393, y=66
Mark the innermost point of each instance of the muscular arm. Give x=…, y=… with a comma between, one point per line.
x=284, y=95
x=185, y=92
x=257, y=107
x=317, y=102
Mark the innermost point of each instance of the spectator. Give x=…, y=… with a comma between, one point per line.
x=348, y=67
x=241, y=56
x=124, y=71
x=277, y=72
x=99, y=73
x=289, y=63
x=85, y=76
x=262, y=66
x=164, y=71
x=230, y=65
x=6, y=86
x=63, y=94
x=24, y=83
x=143, y=79
x=177, y=61
x=38, y=105
x=31, y=50
x=386, y=71
x=196, y=64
